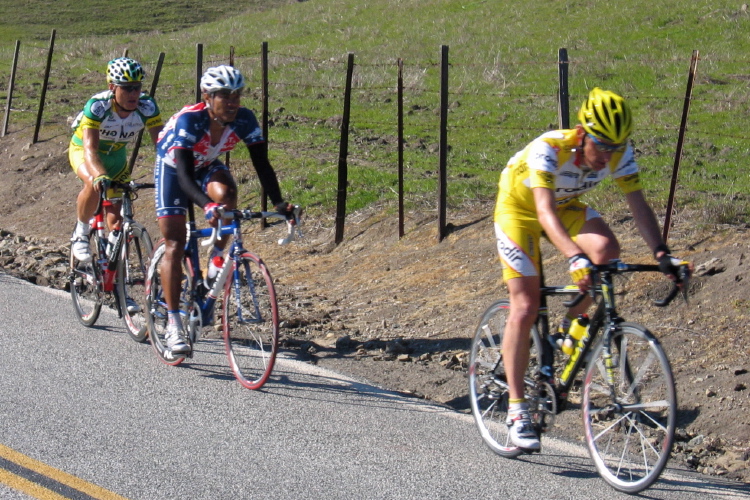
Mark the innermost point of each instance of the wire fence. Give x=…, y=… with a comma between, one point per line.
x=396, y=112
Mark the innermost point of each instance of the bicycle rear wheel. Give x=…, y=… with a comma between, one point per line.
x=157, y=306
x=629, y=425
x=86, y=283
x=131, y=280
x=251, y=321
x=488, y=386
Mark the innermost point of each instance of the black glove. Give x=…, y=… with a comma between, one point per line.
x=284, y=208
x=669, y=265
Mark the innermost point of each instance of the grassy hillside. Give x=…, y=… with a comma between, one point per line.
x=503, y=83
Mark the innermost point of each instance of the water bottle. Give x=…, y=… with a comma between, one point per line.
x=576, y=332
x=556, y=340
x=112, y=249
x=214, y=266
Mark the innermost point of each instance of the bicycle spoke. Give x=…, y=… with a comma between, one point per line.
x=630, y=426
x=156, y=306
x=251, y=322
x=488, y=391
x=131, y=281
x=86, y=285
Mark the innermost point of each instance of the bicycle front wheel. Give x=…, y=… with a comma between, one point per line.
x=86, y=283
x=629, y=414
x=156, y=305
x=488, y=385
x=131, y=281
x=251, y=321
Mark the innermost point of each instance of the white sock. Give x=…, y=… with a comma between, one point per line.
x=82, y=228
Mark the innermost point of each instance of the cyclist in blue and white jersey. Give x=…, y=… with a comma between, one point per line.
x=188, y=170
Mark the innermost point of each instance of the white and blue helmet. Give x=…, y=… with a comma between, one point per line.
x=222, y=78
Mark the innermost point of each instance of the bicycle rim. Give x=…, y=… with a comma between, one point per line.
x=629, y=425
x=157, y=306
x=86, y=285
x=132, y=270
x=488, y=387
x=251, y=322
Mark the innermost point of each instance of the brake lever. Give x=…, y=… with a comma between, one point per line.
x=215, y=231
x=681, y=285
x=293, y=226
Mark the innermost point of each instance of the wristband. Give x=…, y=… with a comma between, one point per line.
x=661, y=248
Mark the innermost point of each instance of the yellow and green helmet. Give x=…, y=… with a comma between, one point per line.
x=124, y=70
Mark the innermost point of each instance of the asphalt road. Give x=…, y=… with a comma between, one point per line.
x=88, y=413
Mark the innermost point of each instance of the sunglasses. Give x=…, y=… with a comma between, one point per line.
x=607, y=148
x=227, y=94
x=131, y=88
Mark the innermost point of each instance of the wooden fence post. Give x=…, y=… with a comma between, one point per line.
x=443, y=175
x=44, y=88
x=231, y=63
x=563, y=98
x=152, y=92
x=10, y=88
x=680, y=141
x=198, y=70
x=343, y=153
x=264, y=115
x=400, y=148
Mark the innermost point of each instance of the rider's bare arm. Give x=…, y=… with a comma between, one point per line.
x=546, y=209
x=645, y=219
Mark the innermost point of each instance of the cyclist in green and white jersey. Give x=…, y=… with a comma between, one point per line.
x=97, y=151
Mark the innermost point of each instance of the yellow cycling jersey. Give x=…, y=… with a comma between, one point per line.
x=552, y=160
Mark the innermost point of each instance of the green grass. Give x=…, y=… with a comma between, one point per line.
x=503, y=83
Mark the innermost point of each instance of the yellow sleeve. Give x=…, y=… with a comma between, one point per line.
x=87, y=123
x=629, y=183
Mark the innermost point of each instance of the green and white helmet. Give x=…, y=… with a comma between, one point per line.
x=124, y=70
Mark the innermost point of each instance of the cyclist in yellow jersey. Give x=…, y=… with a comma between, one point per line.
x=538, y=195
x=97, y=151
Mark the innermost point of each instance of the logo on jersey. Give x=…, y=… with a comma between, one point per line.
x=513, y=256
x=147, y=107
x=99, y=108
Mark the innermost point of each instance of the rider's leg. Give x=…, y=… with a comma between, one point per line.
x=114, y=217
x=600, y=244
x=88, y=198
x=222, y=189
x=173, y=230
x=524, y=307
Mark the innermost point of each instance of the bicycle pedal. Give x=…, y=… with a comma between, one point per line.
x=171, y=356
x=527, y=451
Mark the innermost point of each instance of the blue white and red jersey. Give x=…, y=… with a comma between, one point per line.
x=190, y=129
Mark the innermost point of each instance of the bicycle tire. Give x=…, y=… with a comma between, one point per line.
x=250, y=321
x=488, y=388
x=132, y=270
x=630, y=439
x=157, y=306
x=86, y=284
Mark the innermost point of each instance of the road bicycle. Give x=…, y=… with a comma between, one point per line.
x=116, y=271
x=249, y=311
x=628, y=396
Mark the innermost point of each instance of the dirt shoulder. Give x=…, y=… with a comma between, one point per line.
x=400, y=313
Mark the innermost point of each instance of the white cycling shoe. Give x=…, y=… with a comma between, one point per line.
x=176, y=340
x=80, y=248
x=522, y=432
x=132, y=306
